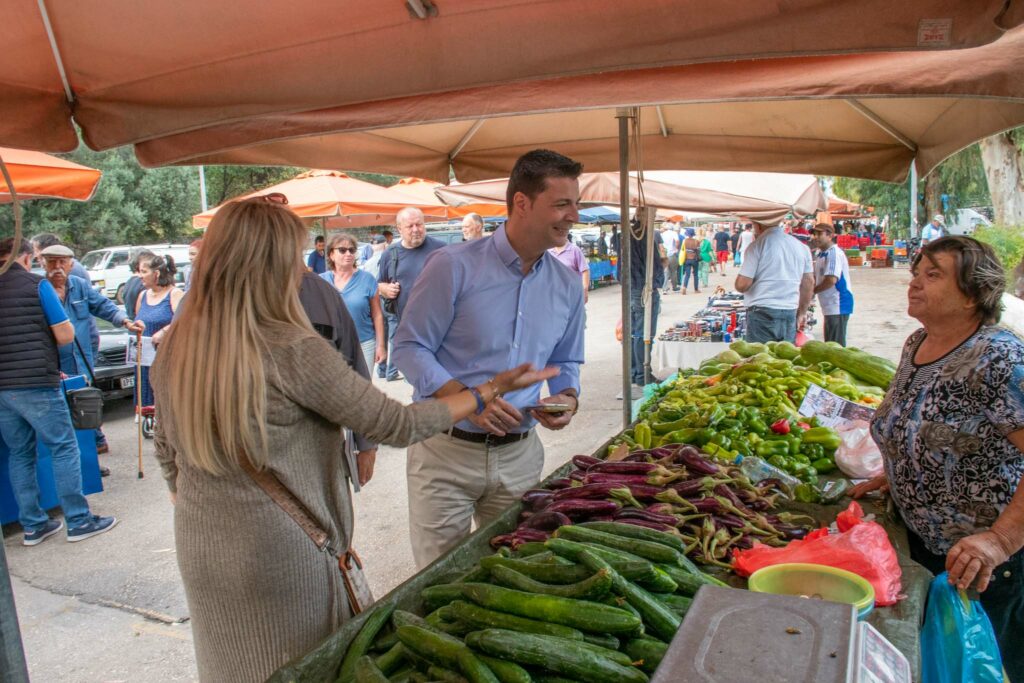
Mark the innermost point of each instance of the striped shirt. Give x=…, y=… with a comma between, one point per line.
x=837, y=300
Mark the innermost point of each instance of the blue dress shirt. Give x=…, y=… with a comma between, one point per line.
x=473, y=314
x=81, y=303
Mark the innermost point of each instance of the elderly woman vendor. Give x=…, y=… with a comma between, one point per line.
x=951, y=430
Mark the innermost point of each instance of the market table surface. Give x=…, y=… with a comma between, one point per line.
x=669, y=356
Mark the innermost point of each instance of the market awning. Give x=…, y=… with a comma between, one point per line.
x=764, y=196
x=864, y=116
x=36, y=175
x=423, y=190
x=327, y=194
x=130, y=72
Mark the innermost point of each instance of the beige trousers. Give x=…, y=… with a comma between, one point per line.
x=455, y=483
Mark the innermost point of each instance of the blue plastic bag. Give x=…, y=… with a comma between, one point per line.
x=958, y=644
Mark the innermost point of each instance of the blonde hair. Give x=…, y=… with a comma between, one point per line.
x=244, y=294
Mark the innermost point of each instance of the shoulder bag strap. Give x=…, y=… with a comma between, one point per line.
x=292, y=506
x=85, y=359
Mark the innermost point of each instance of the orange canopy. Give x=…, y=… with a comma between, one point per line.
x=325, y=194
x=36, y=175
x=134, y=71
x=424, y=190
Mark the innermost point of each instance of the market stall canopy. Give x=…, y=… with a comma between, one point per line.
x=324, y=194
x=423, y=190
x=129, y=72
x=865, y=116
x=36, y=176
x=762, y=196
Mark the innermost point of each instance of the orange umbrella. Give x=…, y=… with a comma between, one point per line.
x=36, y=175
x=424, y=190
x=332, y=194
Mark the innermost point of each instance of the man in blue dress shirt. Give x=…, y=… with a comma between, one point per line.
x=478, y=307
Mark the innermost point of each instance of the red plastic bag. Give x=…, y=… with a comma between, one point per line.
x=860, y=547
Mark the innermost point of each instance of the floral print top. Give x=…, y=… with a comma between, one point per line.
x=942, y=431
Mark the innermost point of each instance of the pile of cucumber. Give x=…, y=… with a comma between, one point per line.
x=597, y=602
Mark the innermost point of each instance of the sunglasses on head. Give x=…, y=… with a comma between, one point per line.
x=274, y=198
x=345, y=250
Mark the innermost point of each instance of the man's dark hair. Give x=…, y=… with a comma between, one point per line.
x=532, y=170
x=141, y=254
x=45, y=239
x=387, y=233
x=7, y=246
x=319, y=239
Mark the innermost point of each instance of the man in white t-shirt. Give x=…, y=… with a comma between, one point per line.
x=933, y=230
x=777, y=281
x=832, y=283
x=746, y=239
x=670, y=240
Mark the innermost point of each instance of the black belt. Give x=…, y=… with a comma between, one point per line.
x=487, y=438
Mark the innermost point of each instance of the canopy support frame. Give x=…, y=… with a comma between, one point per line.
x=883, y=124
x=624, y=115
x=465, y=139
x=45, y=16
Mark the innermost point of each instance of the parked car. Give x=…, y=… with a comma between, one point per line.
x=114, y=376
x=109, y=271
x=965, y=221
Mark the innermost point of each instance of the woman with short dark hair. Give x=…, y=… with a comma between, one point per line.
x=155, y=306
x=951, y=430
x=359, y=291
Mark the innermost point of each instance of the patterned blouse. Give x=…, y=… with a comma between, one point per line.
x=942, y=430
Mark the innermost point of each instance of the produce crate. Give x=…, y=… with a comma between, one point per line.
x=855, y=260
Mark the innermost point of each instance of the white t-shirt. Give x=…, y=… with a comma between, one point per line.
x=931, y=232
x=670, y=240
x=838, y=299
x=746, y=239
x=776, y=262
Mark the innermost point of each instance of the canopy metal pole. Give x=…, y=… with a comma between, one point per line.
x=913, y=199
x=623, y=115
x=202, y=189
x=12, y=656
x=647, y=222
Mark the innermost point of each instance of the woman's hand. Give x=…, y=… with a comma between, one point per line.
x=976, y=557
x=522, y=377
x=364, y=463
x=379, y=355
x=879, y=483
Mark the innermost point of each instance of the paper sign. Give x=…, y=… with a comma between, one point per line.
x=832, y=410
x=148, y=352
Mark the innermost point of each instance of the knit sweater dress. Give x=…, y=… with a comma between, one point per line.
x=259, y=592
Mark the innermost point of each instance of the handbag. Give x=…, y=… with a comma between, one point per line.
x=360, y=597
x=390, y=306
x=85, y=404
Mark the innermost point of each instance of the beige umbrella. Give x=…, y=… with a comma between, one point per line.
x=130, y=72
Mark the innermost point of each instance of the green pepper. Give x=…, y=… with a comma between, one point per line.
x=642, y=433
x=800, y=458
x=722, y=440
x=753, y=438
x=814, y=451
x=666, y=427
x=780, y=461
x=826, y=436
x=757, y=425
x=698, y=436
x=766, y=449
x=806, y=493
x=823, y=465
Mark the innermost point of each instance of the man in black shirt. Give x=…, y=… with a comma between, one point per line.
x=723, y=248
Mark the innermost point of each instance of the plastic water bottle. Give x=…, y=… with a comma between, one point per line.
x=757, y=470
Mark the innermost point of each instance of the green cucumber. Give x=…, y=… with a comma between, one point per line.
x=581, y=614
x=568, y=658
x=402, y=675
x=477, y=573
x=507, y=672
x=630, y=566
x=365, y=671
x=361, y=643
x=688, y=583
x=529, y=548
x=392, y=660
x=440, y=595
x=592, y=588
x=677, y=603
x=481, y=618
x=655, y=552
x=446, y=651
x=621, y=603
x=648, y=652
x=658, y=618
x=545, y=572
x=384, y=642
x=602, y=640
x=443, y=675
x=638, y=532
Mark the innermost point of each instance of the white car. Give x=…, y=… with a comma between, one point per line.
x=965, y=221
x=109, y=270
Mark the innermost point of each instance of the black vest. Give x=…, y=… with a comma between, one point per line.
x=28, y=351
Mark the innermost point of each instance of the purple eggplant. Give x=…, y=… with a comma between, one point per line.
x=661, y=508
x=556, y=484
x=692, y=487
x=578, y=475
x=633, y=513
x=599, y=490
x=620, y=479
x=546, y=521
x=639, y=456
x=646, y=524
x=622, y=467
x=644, y=491
x=730, y=495
x=502, y=540
x=537, y=499
x=691, y=459
x=584, y=462
x=729, y=521
x=580, y=509
x=601, y=518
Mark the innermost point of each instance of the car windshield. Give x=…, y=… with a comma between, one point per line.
x=93, y=259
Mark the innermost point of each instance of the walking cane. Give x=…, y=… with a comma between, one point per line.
x=138, y=394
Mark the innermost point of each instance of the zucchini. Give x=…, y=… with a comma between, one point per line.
x=655, y=552
x=648, y=652
x=631, y=567
x=392, y=660
x=581, y=614
x=365, y=671
x=603, y=639
x=638, y=532
x=688, y=583
x=507, y=672
x=481, y=617
x=361, y=643
x=445, y=651
x=545, y=572
x=569, y=658
x=677, y=603
x=658, y=618
x=591, y=588
x=440, y=595
x=864, y=366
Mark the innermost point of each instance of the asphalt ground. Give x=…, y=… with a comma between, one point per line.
x=112, y=608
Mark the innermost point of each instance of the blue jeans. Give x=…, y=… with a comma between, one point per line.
x=24, y=415
x=391, y=326
x=691, y=267
x=637, y=333
x=770, y=324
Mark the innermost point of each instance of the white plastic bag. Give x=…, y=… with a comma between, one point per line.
x=858, y=456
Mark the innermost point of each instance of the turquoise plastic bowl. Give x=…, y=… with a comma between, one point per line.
x=815, y=581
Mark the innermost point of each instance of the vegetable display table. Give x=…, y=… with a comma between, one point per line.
x=669, y=356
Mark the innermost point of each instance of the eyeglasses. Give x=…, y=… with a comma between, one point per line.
x=345, y=250
x=273, y=198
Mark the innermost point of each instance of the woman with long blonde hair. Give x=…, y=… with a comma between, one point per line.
x=243, y=378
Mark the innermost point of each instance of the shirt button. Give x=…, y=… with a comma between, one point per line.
x=515, y=346
x=1006, y=574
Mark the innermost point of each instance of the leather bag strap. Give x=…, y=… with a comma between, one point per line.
x=292, y=506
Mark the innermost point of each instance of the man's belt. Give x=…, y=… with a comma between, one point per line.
x=487, y=438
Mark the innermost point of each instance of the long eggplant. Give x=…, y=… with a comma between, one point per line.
x=583, y=462
x=546, y=520
x=599, y=490
x=537, y=499
x=623, y=467
x=645, y=523
x=646, y=515
x=579, y=509
x=556, y=484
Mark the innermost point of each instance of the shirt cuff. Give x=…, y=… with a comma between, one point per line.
x=569, y=378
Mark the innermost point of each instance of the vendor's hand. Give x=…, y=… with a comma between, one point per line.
x=801, y=320
x=136, y=326
x=975, y=557
x=379, y=355
x=389, y=290
x=556, y=421
x=879, y=483
x=364, y=463
x=498, y=418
